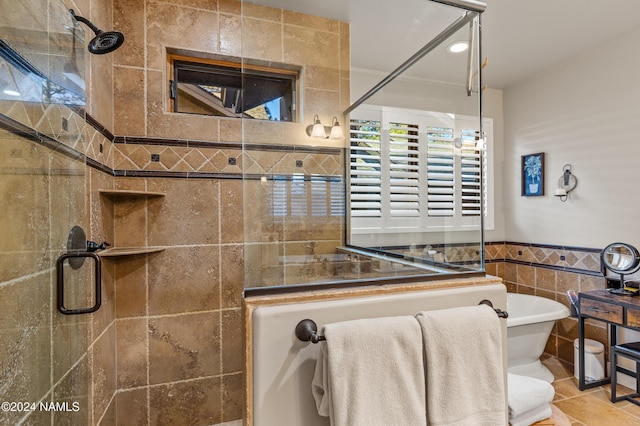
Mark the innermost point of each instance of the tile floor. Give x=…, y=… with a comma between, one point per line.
x=591, y=407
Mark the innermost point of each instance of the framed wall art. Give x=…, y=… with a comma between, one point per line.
x=533, y=175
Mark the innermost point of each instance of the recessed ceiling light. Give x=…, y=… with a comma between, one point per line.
x=457, y=47
x=11, y=92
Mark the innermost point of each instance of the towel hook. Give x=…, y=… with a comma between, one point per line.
x=307, y=331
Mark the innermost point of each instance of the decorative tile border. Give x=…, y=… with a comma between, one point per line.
x=582, y=260
x=176, y=158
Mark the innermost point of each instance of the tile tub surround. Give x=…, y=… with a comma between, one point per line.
x=295, y=303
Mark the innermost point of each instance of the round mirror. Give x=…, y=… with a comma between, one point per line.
x=621, y=258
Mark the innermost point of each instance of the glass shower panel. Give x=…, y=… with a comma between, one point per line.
x=417, y=175
x=300, y=193
x=44, y=360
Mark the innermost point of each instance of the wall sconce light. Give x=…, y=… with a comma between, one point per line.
x=566, y=183
x=317, y=130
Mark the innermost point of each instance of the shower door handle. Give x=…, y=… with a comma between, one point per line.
x=97, y=282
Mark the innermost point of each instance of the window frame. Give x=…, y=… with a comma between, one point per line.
x=237, y=67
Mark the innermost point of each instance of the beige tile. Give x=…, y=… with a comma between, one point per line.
x=101, y=100
x=184, y=279
x=211, y=5
x=197, y=400
x=129, y=18
x=567, y=281
x=103, y=371
x=258, y=131
x=310, y=21
x=232, y=265
x=230, y=35
x=131, y=286
x=131, y=352
x=129, y=95
x=322, y=78
x=230, y=6
x=310, y=47
x=559, y=369
x=132, y=407
x=74, y=388
x=25, y=330
x=188, y=214
x=546, y=279
x=165, y=27
x=231, y=211
x=593, y=411
x=232, y=341
x=232, y=397
x=184, y=347
x=322, y=102
x=105, y=315
x=130, y=218
x=526, y=275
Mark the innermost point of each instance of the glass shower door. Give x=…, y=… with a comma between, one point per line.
x=44, y=358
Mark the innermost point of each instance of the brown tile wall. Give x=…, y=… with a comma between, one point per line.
x=550, y=271
x=178, y=324
x=166, y=345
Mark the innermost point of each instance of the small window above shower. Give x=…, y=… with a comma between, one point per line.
x=230, y=87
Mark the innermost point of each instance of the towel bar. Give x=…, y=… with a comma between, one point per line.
x=307, y=329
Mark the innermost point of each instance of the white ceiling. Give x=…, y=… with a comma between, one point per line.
x=520, y=38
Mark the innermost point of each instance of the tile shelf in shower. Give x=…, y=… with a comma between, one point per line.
x=130, y=193
x=129, y=251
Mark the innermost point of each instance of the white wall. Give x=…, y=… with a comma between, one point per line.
x=586, y=113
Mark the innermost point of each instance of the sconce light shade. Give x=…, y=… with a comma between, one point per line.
x=317, y=130
x=566, y=183
x=336, y=130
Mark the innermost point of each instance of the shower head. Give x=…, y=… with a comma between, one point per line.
x=104, y=41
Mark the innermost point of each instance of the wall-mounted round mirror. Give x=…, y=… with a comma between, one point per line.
x=623, y=259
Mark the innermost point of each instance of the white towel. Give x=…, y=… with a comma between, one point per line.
x=371, y=372
x=527, y=393
x=530, y=417
x=464, y=367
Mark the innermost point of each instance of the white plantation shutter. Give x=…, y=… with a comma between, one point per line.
x=440, y=171
x=319, y=196
x=470, y=173
x=279, y=196
x=366, y=169
x=298, y=196
x=404, y=170
x=336, y=197
x=301, y=196
x=417, y=170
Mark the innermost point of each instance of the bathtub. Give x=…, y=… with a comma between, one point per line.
x=529, y=325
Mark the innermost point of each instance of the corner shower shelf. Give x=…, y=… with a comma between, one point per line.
x=128, y=251
x=130, y=193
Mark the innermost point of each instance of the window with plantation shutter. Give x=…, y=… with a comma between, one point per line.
x=365, y=168
x=470, y=173
x=404, y=170
x=300, y=196
x=440, y=171
x=418, y=171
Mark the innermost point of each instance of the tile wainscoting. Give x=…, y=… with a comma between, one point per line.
x=550, y=271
